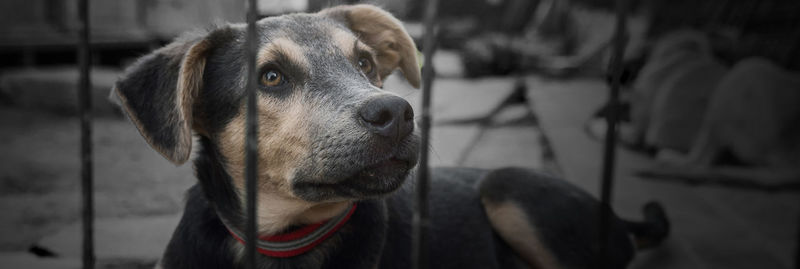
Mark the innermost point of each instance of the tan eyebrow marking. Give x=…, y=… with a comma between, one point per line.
x=361, y=46
x=282, y=47
x=344, y=41
x=348, y=43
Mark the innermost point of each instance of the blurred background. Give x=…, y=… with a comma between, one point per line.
x=708, y=121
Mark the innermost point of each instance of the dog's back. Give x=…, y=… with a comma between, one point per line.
x=513, y=218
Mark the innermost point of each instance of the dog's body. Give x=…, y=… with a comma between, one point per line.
x=672, y=89
x=335, y=152
x=378, y=235
x=767, y=133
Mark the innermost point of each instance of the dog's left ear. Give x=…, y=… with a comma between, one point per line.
x=384, y=33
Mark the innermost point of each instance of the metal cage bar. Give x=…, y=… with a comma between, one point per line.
x=797, y=245
x=251, y=147
x=421, y=222
x=609, y=150
x=85, y=114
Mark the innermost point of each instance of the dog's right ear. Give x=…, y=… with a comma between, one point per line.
x=384, y=33
x=158, y=91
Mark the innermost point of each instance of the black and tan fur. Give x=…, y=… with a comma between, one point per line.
x=329, y=136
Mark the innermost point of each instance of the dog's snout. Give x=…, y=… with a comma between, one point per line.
x=388, y=116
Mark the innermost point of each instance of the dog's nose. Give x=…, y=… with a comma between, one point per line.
x=388, y=116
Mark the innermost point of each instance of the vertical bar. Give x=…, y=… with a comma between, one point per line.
x=797, y=245
x=609, y=150
x=251, y=170
x=85, y=113
x=421, y=222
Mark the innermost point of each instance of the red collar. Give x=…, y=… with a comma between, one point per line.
x=298, y=241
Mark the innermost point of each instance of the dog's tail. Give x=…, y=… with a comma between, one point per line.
x=653, y=230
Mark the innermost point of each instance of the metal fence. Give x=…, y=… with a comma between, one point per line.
x=84, y=111
x=420, y=217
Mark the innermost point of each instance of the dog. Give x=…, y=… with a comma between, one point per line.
x=672, y=89
x=749, y=135
x=682, y=93
x=335, y=153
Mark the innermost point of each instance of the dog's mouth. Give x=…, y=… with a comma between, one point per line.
x=381, y=169
x=372, y=179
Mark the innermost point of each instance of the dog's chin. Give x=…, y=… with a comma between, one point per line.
x=379, y=179
x=370, y=182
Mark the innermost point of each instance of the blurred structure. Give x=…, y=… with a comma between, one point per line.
x=44, y=31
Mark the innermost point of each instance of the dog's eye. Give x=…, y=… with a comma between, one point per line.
x=271, y=78
x=365, y=65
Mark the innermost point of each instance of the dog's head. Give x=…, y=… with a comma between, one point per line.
x=326, y=129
